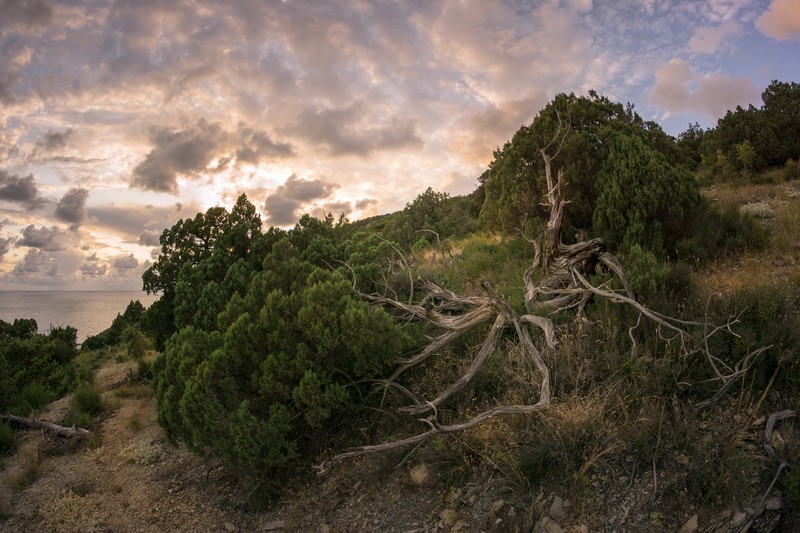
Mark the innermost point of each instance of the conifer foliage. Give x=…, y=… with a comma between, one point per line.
x=270, y=351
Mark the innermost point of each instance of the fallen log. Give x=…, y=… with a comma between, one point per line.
x=62, y=431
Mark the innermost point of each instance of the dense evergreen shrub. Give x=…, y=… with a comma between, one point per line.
x=642, y=200
x=285, y=361
x=40, y=366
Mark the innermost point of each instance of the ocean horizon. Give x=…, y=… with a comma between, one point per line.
x=90, y=312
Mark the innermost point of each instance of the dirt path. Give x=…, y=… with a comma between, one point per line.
x=127, y=478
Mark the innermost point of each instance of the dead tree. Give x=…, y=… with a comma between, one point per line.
x=62, y=431
x=557, y=281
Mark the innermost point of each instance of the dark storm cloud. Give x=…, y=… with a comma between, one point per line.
x=21, y=190
x=190, y=152
x=72, y=206
x=349, y=131
x=25, y=13
x=282, y=206
x=45, y=239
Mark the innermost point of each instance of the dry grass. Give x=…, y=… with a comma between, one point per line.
x=72, y=512
x=779, y=263
x=29, y=462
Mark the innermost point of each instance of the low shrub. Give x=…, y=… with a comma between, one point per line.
x=720, y=231
x=87, y=400
x=34, y=396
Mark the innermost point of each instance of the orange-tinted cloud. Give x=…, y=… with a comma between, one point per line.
x=678, y=89
x=781, y=20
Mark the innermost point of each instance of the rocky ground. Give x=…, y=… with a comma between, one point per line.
x=127, y=478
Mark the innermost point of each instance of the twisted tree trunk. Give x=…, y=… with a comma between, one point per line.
x=564, y=272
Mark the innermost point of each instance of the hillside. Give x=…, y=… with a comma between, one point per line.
x=621, y=449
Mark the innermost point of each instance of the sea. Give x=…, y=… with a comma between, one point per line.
x=90, y=312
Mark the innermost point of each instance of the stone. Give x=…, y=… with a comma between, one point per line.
x=229, y=527
x=556, y=511
x=773, y=504
x=274, y=525
x=777, y=441
x=737, y=519
x=420, y=475
x=448, y=517
x=547, y=525
x=324, y=528
x=690, y=526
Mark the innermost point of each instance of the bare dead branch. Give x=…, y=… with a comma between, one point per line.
x=563, y=273
x=770, y=427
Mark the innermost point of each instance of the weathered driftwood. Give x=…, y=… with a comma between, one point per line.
x=62, y=431
x=563, y=273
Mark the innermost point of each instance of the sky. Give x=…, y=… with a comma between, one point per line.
x=120, y=117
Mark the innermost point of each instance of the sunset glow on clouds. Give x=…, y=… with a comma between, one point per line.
x=117, y=118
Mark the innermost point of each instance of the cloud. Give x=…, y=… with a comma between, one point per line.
x=20, y=190
x=28, y=14
x=781, y=20
x=190, y=152
x=133, y=221
x=338, y=208
x=5, y=242
x=125, y=262
x=491, y=126
x=707, y=39
x=72, y=206
x=177, y=152
x=53, y=141
x=283, y=205
x=36, y=261
x=680, y=90
x=92, y=268
x=256, y=146
x=45, y=239
x=350, y=130
x=150, y=238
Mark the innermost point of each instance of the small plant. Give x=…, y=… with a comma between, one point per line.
x=135, y=342
x=87, y=400
x=29, y=470
x=144, y=370
x=94, y=441
x=34, y=396
x=135, y=423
